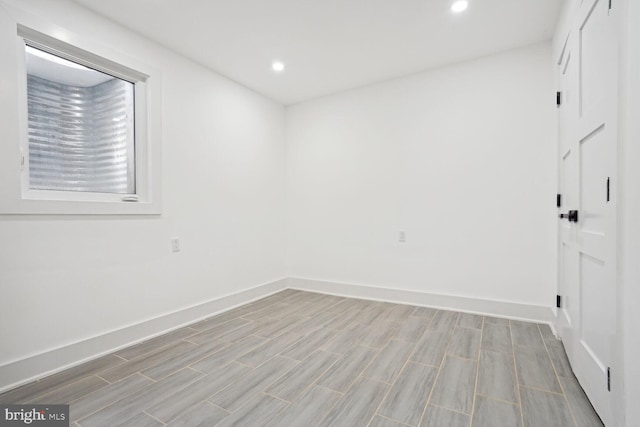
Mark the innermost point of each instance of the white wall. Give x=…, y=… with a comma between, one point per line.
x=69, y=278
x=461, y=158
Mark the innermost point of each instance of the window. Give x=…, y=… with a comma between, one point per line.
x=81, y=127
x=85, y=123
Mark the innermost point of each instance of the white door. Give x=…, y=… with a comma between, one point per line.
x=587, y=159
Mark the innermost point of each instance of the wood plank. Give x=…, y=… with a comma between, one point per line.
x=408, y=396
x=358, y=406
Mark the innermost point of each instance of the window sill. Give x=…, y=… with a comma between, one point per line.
x=68, y=207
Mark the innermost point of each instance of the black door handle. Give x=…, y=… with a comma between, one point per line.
x=572, y=216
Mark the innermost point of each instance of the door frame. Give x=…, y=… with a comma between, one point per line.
x=628, y=345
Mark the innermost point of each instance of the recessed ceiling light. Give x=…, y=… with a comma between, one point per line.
x=459, y=6
x=277, y=66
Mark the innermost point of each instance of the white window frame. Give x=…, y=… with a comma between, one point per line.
x=148, y=110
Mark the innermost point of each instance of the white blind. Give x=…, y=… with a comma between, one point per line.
x=81, y=138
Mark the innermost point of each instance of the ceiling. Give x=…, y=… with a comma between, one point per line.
x=329, y=46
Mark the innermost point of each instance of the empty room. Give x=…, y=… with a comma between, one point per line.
x=411, y=213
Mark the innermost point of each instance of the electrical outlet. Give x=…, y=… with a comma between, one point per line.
x=402, y=237
x=175, y=244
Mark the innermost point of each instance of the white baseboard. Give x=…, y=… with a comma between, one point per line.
x=505, y=309
x=25, y=370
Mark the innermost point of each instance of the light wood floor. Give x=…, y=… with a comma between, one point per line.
x=306, y=359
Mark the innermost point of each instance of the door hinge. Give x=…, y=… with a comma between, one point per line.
x=608, y=379
x=558, y=200
x=608, y=189
x=558, y=99
x=558, y=301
